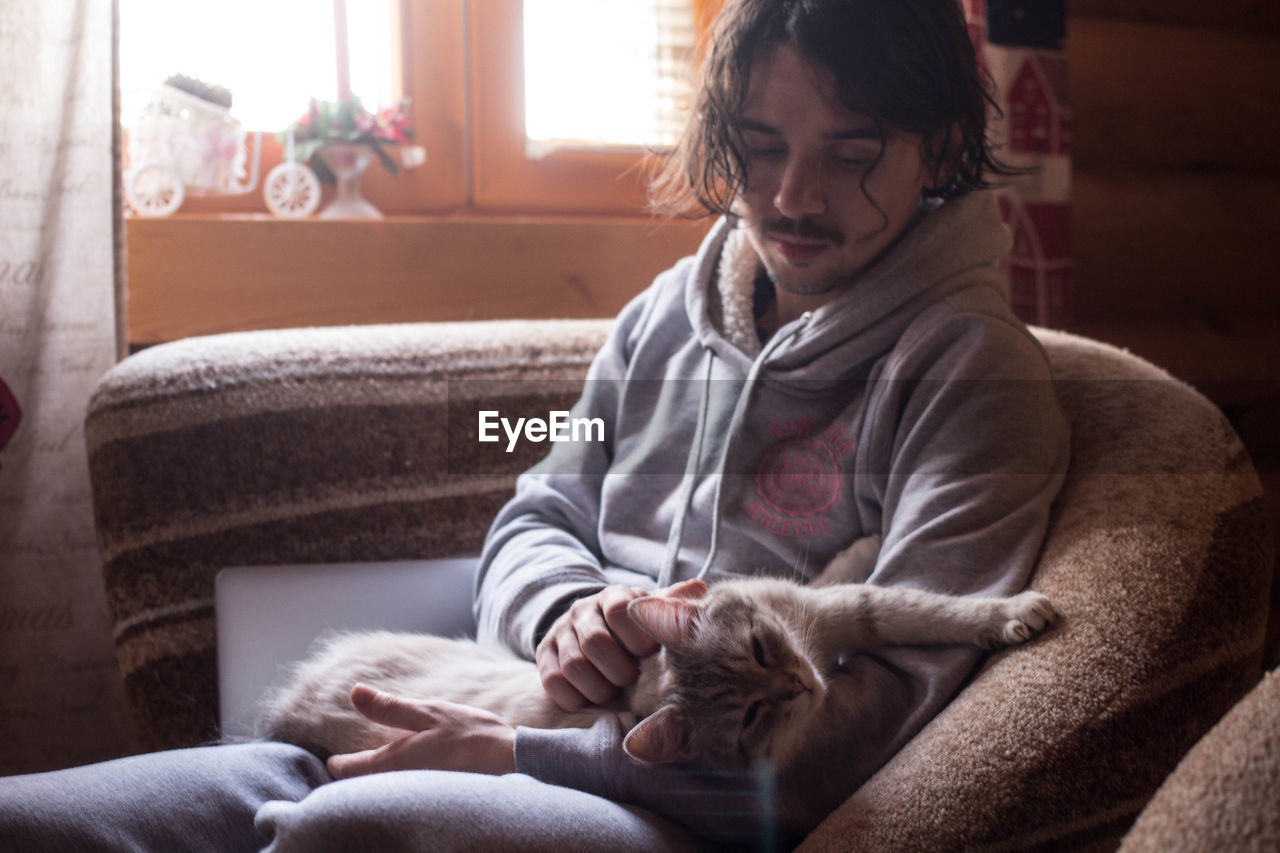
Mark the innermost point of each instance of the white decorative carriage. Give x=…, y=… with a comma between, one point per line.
x=180, y=144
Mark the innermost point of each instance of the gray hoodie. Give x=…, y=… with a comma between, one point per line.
x=913, y=405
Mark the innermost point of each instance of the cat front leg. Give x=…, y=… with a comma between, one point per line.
x=858, y=617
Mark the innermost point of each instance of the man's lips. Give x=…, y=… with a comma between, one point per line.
x=798, y=250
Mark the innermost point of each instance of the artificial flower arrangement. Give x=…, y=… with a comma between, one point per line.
x=347, y=122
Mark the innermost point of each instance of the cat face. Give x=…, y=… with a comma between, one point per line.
x=742, y=687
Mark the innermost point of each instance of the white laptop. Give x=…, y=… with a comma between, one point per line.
x=268, y=616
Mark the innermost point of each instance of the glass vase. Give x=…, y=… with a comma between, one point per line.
x=348, y=162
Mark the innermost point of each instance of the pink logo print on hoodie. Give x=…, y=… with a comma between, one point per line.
x=799, y=478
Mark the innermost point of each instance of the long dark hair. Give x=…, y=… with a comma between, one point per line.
x=907, y=64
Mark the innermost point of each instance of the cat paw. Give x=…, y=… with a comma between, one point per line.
x=1030, y=614
x=1021, y=618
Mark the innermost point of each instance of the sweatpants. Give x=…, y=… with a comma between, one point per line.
x=279, y=798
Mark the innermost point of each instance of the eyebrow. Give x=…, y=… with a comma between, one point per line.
x=758, y=126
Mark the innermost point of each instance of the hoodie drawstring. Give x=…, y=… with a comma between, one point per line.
x=735, y=424
x=669, y=561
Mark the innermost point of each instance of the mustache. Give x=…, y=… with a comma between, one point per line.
x=804, y=229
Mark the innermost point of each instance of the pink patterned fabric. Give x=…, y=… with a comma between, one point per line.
x=1020, y=43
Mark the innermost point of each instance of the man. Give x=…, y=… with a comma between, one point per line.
x=837, y=360
x=845, y=315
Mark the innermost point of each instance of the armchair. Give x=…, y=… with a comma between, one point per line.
x=323, y=445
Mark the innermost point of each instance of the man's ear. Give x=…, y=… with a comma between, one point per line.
x=670, y=621
x=660, y=738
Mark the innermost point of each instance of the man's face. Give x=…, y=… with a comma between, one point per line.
x=811, y=165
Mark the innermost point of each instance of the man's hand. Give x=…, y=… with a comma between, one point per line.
x=593, y=649
x=445, y=736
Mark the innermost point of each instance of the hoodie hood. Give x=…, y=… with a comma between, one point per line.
x=949, y=248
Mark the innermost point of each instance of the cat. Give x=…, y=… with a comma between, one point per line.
x=742, y=667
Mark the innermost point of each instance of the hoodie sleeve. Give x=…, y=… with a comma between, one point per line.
x=968, y=449
x=543, y=549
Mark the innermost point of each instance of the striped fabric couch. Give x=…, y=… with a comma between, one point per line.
x=349, y=444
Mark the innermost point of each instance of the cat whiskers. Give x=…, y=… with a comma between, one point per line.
x=802, y=560
x=808, y=627
x=795, y=572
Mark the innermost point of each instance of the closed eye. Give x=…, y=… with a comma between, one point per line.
x=852, y=162
x=757, y=650
x=766, y=151
x=752, y=713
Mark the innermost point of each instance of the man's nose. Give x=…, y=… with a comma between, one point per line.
x=801, y=192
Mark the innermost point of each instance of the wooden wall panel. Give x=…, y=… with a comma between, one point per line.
x=1161, y=96
x=203, y=276
x=1176, y=203
x=1168, y=243
x=1251, y=15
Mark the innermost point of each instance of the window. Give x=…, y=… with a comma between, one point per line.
x=487, y=80
x=488, y=208
x=626, y=82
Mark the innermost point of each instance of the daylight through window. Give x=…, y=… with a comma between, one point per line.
x=274, y=56
x=606, y=73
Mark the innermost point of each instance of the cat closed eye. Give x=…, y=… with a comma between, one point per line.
x=757, y=650
x=752, y=713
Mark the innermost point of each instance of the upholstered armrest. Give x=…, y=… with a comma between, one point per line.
x=1223, y=794
x=298, y=446
x=1159, y=554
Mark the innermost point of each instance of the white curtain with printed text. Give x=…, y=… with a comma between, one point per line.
x=61, y=698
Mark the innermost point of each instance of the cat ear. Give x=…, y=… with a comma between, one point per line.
x=670, y=621
x=692, y=588
x=660, y=738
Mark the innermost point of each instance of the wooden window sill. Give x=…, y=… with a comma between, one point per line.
x=204, y=274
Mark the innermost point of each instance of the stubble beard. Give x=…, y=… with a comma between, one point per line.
x=798, y=280
x=792, y=280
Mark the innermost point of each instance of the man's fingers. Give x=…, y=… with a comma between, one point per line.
x=592, y=649
x=610, y=659
x=581, y=672
x=630, y=635
x=352, y=764
x=396, y=755
x=389, y=710
x=564, y=694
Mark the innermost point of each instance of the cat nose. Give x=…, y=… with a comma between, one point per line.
x=797, y=686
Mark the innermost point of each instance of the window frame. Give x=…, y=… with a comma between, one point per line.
x=567, y=180
x=461, y=64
